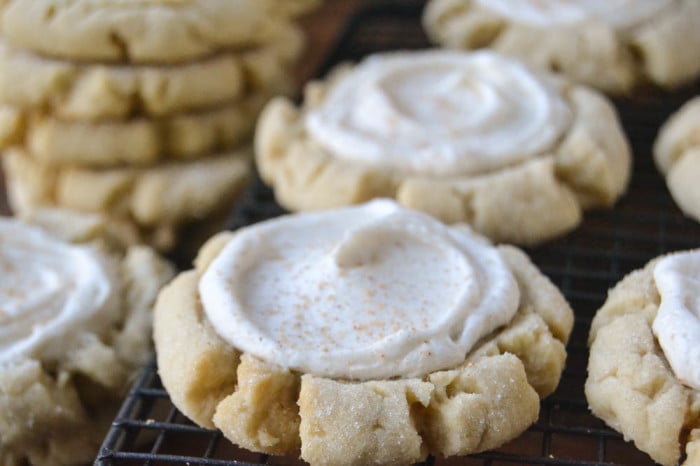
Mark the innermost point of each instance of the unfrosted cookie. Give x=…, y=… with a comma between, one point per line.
x=84, y=91
x=466, y=137
x=74, y=329
x=155, y=201
x=89, y=92
x=137, y=31
x=644, y=371
x=611, y=45
x=137, y=141
x=366, y=335
x=677, y=155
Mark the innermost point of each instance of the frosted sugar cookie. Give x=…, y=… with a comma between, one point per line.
x=677, y=155
x=157, y=201
x=644, y=367
x=613, y=45
x=137, y=31
x=75, y=325
x=366, y=335
x=466, y=137
x=137, y=141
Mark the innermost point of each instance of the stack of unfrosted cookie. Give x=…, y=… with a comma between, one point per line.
x=137, y=109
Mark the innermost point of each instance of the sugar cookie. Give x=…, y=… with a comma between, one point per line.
x=413, y=336
x=611, y=45
x=467, y=137
x=155, y=201
x=74, y=328
x=643, y=373
x=677, y=155
x=137, y=31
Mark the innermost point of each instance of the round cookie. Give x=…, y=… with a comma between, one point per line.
x=138, y=141
x=333, y=351
x=677, y=156
x=88, y=92
x=643, y=378
x=91, y=92
x=137, y=31
x=75, y=328
x=155, y=202
x=466, y=137
x=611, y=45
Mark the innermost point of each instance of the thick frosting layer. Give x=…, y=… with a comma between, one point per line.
x=677, y=324
x=620, y=14
x=439, y=112
x=50, y=292
x=367, y=292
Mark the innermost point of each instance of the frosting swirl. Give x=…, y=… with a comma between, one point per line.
x=677, y=323
x=374, y=291
x=621, y=14
x=439, y=112
x=50, y=292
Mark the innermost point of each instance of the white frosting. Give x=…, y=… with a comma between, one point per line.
x=621, y=14
x=368, y=292
x=439, y=112
x=50, y=292
x=677, y=324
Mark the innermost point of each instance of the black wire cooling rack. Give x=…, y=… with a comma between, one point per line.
x=150, y=431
